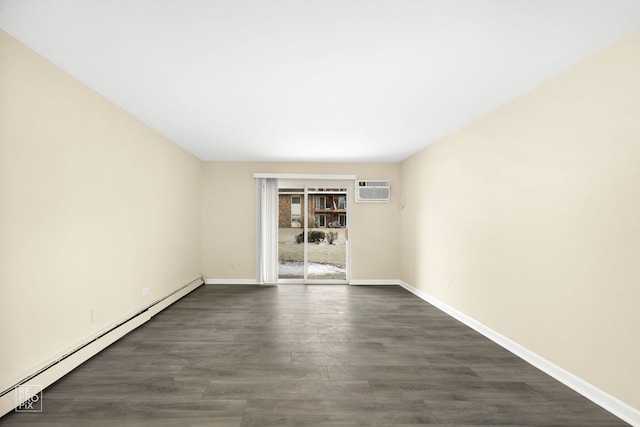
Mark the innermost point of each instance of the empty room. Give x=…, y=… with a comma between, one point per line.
x=319, y=213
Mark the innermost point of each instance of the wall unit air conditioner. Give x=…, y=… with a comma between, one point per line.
x=373, y=191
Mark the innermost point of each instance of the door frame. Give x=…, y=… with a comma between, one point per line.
x=266, y=208
x=306, y=185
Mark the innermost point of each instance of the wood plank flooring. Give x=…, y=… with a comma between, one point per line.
x=315, y=355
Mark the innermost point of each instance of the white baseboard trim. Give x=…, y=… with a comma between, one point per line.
x=384, y=282
x=617, y=407
x=374, y=282
x=67, y=363
x=231, y=282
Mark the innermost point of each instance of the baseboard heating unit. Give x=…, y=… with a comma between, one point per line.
x=11, y=397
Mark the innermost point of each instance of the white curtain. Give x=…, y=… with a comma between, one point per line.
x=267, y=230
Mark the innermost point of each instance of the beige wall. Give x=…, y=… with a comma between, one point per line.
x=94, y=206
x=532, y=215
x=229, y=219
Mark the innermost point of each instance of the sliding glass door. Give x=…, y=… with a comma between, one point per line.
x=312, y=232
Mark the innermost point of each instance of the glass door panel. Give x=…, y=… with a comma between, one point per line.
x=291, y=246
x=327, y=245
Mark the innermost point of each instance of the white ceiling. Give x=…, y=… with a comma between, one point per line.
x=323, y=80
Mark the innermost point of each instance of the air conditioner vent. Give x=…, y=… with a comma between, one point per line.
x=373, y=191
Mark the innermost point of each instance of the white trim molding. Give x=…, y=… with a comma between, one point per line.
x=232, y=282
x=385, y=282
x=612, y=404
x=352, y=282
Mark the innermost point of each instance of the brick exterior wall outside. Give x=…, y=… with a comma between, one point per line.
x=284, y=206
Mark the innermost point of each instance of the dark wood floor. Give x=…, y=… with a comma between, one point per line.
x=307, y=355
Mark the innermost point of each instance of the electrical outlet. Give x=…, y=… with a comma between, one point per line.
x=94, y=314
x=145, y=292
x=445, y=285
